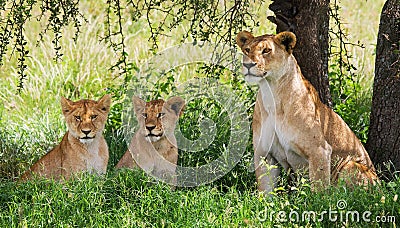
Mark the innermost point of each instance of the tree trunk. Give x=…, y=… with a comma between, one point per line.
x=383, y=141
x=309, y=20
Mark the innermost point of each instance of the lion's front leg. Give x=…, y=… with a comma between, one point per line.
x=166, y=167
x=267, y=173
x=320, y=167
x=265, y=164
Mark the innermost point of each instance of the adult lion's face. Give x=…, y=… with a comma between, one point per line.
x=86, y=118
x=265, y=56
x=157, y=118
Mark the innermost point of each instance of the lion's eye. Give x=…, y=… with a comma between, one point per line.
x=160, y=115
x=93, y=117
x=144, y=115
x=77, y=118
x=266, y=51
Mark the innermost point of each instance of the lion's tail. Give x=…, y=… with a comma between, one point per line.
x=354, y=172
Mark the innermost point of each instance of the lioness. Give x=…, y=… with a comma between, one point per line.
x=291, y=126
x=153, y=147
x=83, y=147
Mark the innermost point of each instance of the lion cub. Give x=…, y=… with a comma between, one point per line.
x=83, y=147
x=153, y=147
x=291, y=126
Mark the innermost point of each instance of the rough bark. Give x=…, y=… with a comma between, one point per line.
x=383, y=142
x=309, y=20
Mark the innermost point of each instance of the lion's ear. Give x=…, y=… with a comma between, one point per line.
x=104, y=103
x=243, y=38
x=138, y=105
x=177, y=104
x=287, y=40
x=66, y=105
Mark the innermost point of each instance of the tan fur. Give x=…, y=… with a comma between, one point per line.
x=83, y=147
x=291, y=126
x=153, y=147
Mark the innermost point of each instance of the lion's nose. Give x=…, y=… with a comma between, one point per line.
x=150, y=128
x=86, y=132
x=249, y=65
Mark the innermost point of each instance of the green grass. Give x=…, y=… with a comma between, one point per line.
x=31, y=123
x=130, y=199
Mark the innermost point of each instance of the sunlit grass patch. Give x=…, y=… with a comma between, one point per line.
x=131, y=198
